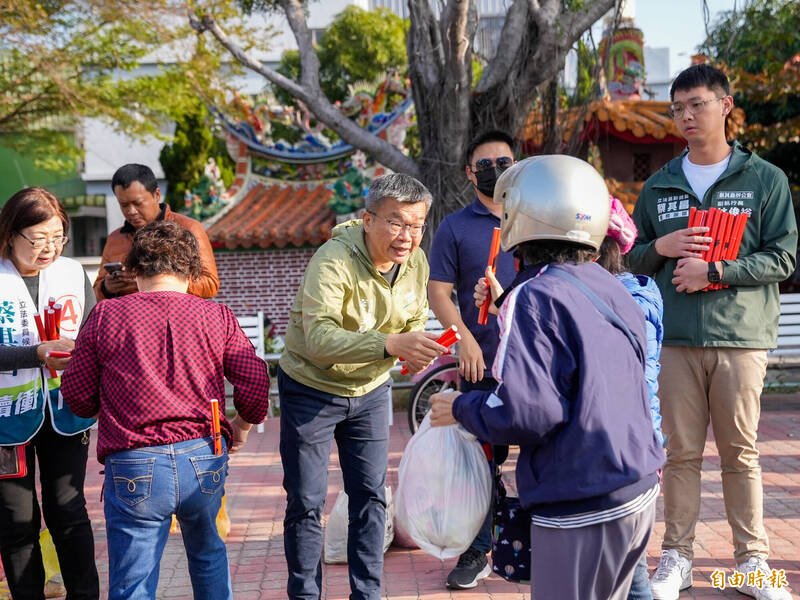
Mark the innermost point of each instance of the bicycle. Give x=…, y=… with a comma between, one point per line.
x=441, y=376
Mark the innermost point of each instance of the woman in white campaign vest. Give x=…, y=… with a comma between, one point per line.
x=33, y=232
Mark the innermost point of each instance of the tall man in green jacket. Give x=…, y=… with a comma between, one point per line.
x=714, y=357
x=361, y=305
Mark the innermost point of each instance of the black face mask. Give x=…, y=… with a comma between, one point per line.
x=487, y=178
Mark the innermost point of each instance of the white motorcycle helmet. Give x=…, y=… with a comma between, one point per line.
x=553, y=197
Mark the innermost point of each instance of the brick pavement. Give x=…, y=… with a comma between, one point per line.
x=256, y=503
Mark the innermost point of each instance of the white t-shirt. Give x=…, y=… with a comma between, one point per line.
x=701, y=177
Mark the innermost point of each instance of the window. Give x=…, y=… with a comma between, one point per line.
x=487, y=37
x=641, y=166
x=316, y=35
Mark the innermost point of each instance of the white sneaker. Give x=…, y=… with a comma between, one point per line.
x=673, y=574
x=766, y=591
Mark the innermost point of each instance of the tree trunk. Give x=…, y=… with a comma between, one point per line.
x=535, y=38
x=440, y=68
x=553, y=132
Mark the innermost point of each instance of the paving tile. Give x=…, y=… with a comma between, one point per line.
x=256, y=502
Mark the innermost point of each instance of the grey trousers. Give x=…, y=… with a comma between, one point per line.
x=589, y=563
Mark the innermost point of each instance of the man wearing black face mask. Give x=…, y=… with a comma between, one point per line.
x=458, y=260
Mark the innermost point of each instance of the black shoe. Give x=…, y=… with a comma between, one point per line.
x=472, y=567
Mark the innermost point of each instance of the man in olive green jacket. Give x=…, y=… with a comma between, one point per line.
x=714, y=359
x=361, y=305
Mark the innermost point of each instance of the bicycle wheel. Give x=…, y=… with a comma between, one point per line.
x=439, y=379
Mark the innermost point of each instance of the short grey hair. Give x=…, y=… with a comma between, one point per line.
x=399, y=186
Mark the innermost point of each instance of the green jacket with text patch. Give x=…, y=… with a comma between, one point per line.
x=745, y=314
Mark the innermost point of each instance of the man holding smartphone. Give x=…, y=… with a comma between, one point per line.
x=136, y=189
x=117, y=281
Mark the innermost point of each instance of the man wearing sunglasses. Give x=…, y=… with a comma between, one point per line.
x=713, y=360
x=458, y=260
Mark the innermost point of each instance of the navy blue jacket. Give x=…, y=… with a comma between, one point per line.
x=571, y=394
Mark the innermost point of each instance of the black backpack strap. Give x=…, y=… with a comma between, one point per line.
x=602, y=307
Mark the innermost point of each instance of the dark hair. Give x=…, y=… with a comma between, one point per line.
x=29, y=206
x=553, y=251
x=129, y=173
x=611, y=256
x=164, y=248
x=495, y=135
x=700, y=75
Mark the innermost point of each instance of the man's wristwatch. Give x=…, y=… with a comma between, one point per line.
x=713, y=274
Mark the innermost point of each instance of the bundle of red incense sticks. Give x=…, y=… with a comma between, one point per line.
x=49, y=329
x=216, y=431
x=725, y=230
x=447, y=339
x=494, y=250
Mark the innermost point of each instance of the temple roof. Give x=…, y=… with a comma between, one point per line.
x=280, y=215
x=641, y=121
x=275, y=216
x=646, y=121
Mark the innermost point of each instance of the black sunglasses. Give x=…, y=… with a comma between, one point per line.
x=501, y=162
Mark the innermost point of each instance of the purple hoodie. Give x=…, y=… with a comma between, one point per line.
x=582, y=421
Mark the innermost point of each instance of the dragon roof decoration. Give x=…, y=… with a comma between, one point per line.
x=374, y=111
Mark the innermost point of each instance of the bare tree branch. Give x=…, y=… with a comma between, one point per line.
x=425, y=51
x=309, y=63
x=208, y=23
x=455, y=18
x=585, y=19
x=458, y=30
x=381, y=150
x=514, y=30
x=556, y=37
x=30, y=105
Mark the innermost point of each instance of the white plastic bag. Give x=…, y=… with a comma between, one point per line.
x=336, y=528
x=444, y=489
x=401, y=537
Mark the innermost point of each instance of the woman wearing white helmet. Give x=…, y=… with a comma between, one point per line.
x=589, y=457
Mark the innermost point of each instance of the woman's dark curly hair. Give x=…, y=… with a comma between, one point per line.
x=553, y=251
x=164, y=248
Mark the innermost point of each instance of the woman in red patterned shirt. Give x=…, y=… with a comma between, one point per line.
x=148, y=364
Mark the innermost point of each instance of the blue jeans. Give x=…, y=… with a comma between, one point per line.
x=482, y=541
x=143, y=489
x=310, y=420
x=640, y=586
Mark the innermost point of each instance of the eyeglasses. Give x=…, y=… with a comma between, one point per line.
x=677, y=109
x=395, y=227
x=42, y=243
x=501, y=162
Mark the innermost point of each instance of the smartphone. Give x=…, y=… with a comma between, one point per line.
x=112, y=267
